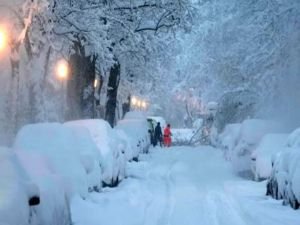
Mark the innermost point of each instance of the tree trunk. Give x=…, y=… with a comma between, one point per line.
x=112, y=92
x=80, y=89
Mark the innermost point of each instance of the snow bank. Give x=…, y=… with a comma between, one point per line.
x=14, y=190
x=106, y=142
x=56, y=143
x=262, y=156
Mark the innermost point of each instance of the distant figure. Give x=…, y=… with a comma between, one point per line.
x=167, y=136
x=157, y=135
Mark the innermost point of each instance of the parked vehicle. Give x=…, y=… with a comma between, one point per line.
x=261, y=158
x=57, y=144
x=135, y=126
x=107, y=142
x=19, y=195
x=89, y=154
x=284, y=182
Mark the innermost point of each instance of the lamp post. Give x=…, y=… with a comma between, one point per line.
x=62, y=73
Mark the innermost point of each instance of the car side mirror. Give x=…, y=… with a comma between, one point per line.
x=33, y=201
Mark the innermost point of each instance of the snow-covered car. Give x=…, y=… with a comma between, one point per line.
x=56, y=143
x=284, y=182
x=261, y=158
x=54, y=207
x=89, y=154
x=113, y=160
x=250, y=134
x=135, y=126
x=125, y=143
x=157, y=119
x=19, y=196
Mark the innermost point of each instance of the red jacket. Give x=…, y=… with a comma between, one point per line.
x=167, y=132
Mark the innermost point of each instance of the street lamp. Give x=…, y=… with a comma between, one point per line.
x=62, y=73
x=62, y=70
x=139, y=104
x=144, y=105
x=95, y=83
x=3, y=39
x=134, y=101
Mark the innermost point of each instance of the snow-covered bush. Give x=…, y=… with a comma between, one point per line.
x=284, y=182
x=16, y=190
x=135, y=126
x=261, y=158
x=107, y=144
x=250, y=134
x=54, y=207
x=56, y=143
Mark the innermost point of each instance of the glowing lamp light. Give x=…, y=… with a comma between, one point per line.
x=62, y=70
x=139, y=103
x=96, y=83
x=134, y=101
x=3, y=39
x=144, y=104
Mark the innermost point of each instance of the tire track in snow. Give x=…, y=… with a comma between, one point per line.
x=223, y=210
x=170, y=200
x=157, y=204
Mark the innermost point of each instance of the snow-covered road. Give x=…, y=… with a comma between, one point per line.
x=182, y=186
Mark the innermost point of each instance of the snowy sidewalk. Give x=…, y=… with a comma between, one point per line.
x=182, y=186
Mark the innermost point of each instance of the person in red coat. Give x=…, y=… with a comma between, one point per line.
x=167, y=136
